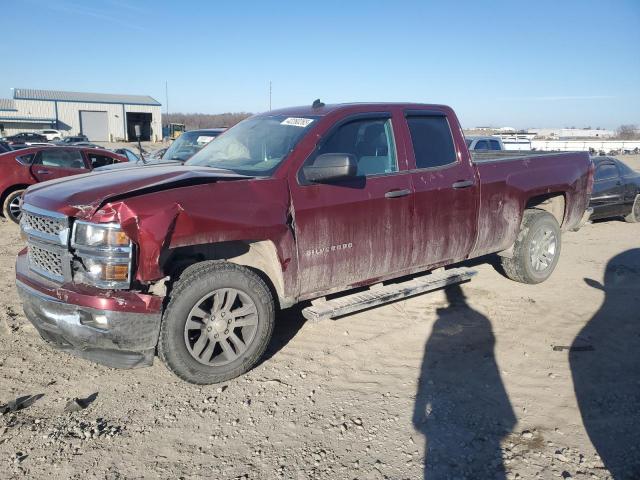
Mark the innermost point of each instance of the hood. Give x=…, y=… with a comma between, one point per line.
x=81, y=195
x=121, y=165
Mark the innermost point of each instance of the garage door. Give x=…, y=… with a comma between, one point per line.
x=94, y=125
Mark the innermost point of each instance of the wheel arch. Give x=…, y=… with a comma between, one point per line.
x=9, y=190
x=554, y=203
x=260, y=256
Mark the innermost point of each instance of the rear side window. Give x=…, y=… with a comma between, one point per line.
x=606, y=172
x=99, y=160
x=55, y=157
x=370, y=141
x=495, y=145
x=25, y=159
x=432, y=141
x=482, y=145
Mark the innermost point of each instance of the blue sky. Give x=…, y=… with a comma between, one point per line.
x=521, y=64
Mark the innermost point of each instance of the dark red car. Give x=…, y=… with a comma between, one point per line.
x=25, y=167
x=193, y=261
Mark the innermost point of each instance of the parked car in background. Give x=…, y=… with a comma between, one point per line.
x=484, y=143
x=517, y=143
x=189, y=143
x=131, y=156
x=192, y=261
x=72, y=140
x=616, y=190
x=183, y=148
x=24, y=138
x=52, y=134
x=28, y=166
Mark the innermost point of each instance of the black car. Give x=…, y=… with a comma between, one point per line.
x=616, y=190
x=4, y=147
x=73, y=140
x=25, y=137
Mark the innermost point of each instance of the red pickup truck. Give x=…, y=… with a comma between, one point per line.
x=21, y=168
x=193, y=261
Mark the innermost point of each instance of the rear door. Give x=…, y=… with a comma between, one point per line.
x=445, y=188
x=608, y=190
x=352, y=231
x=57, y=162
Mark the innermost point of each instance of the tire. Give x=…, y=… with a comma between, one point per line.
x=536, y=250
x=193, y=354
x=10, y=207
x=634, y=215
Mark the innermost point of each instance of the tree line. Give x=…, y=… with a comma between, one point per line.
x=193, y=121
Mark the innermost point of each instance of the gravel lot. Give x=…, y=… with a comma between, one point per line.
x=478, y=380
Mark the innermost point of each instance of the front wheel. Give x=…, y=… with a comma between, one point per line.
x=217, y=324
x=11, y=207
x=536, y=250
x=634, y=215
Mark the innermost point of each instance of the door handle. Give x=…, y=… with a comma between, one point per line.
x=397, y=193
x=43, y=172
x=463, y=184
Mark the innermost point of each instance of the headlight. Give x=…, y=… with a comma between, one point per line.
x=105, y=236
x=104, y=254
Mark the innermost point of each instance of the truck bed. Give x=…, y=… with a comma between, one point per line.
x=498, y=156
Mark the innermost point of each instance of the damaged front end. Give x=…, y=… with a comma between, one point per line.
x=74, y=278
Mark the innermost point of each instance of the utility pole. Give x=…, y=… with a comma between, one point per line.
x=166, y=94
x=270, y=89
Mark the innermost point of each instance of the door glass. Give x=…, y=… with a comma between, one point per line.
x=606, y=172
x=54, y=157
x=370, y=141
x=482, y=145
x=432, y=141
x=495, y=145
x=99, y=160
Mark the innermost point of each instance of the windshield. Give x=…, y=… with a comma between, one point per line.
x=255, y=146
x=187, y=144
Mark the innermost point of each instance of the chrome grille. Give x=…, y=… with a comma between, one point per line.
x=46, y=262
x=47, y=239
x=47, y=225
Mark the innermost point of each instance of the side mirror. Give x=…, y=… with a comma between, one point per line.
x=331, y=166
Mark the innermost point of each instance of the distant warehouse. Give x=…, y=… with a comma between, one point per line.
x=102, y=117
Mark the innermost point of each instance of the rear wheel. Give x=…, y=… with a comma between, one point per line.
x=217, y=324
x=536, y=250
x=11, y=207
x=634, y=215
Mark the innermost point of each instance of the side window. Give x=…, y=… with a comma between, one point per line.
x=54, y=157
x=432, y=141
x=99, y=160
x=370, y=141
x=606, y=171
x=495, y=145
x=482, y=145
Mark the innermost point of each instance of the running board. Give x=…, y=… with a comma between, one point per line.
x=379, y=295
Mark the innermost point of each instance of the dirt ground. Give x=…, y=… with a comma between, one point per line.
x=480, y=381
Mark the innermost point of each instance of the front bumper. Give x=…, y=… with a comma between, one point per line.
x=125, y=336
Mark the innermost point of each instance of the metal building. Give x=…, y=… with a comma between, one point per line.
x=102, y=117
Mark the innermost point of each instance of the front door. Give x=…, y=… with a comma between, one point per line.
x=57, y=162
x=607, y=190
x=446, y=192
x=349, y=232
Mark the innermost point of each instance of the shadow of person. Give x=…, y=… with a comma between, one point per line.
x=461, y=405
x=606, y=378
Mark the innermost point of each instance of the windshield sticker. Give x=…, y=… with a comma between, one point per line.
x=297, y=122
x=204, y=139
